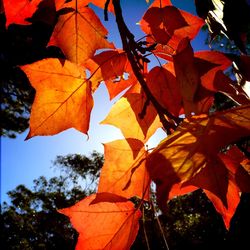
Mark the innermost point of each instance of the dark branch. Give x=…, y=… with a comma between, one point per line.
x=134, y=53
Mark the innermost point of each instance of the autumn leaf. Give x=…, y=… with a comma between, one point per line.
x=126, y=112
x=158, y=23
x=124, y=172
x=63, y=97
x=235, y=161
x=233, y=199
x=17, y=11
x=114, y=69
x=198, y=77
x=164, y=87
x=104, y=225
x=193, y=145
x=186, y=74
x=79, y=32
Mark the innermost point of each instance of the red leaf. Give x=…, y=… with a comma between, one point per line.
x=233, y=160
x=104, y=225
x=124, y=171
x=111, y=66
x=186, y=74
x=17, y=11
x=233, y=200
x=165, y=89
x=168, y=25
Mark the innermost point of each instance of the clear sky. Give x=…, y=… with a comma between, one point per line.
x=23, y=161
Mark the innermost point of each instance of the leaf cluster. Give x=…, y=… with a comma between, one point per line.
x=201, y=145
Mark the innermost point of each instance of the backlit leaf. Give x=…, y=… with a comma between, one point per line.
x=164, y=87
x=79, y=32
x=124, y=172
x=113, y=68
x=104, y=225
x=125, y=115
x=63, y=97
x=186, y=74
x=194, y=145
x=233, y=199
x=17, y=11
x=158, y=23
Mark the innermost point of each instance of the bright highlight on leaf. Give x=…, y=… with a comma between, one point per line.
x=104, y=225
x=124, y=171
x=63, y=97
x=128, y=109
x=79, y=32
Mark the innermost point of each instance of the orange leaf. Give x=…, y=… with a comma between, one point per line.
x=79, y=32
x=104, y=225
x=17, y=11
x=233, y=199
x=165, y=89
x=191, y=147
x=111, y=67
x=158, y=23
x=124, y=172
x=63, y=97
x=125, y=114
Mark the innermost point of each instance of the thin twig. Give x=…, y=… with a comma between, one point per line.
x=160, y=226
x=144, y=229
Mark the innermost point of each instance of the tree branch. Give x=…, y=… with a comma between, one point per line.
x=134, y=53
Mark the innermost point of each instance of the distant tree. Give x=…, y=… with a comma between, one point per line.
x=31, y=221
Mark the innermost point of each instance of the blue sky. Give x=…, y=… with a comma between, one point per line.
x=23, y=161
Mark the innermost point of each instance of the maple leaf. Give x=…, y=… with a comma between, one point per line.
x=233, y=199
x=127, y=111
x=17, y=11
x=79, y=32
x=235, y=161
x=124, y=172
x=199, y=78
x=111, y=67
x=186, y=74
x=63, y=97
x=158, y=23
x=163, y=86
x=117, y=223
x=193, y=145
